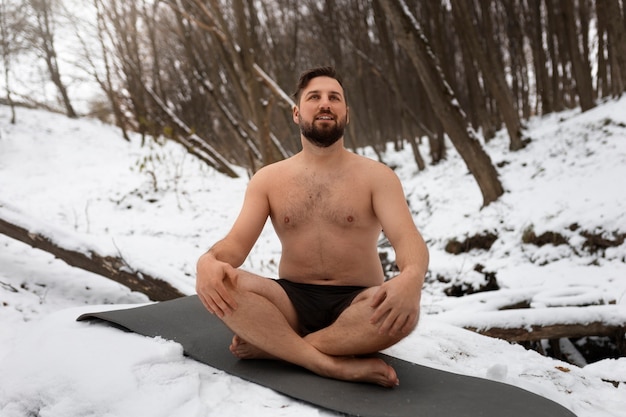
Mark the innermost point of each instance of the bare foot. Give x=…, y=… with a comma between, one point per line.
x=372, y=370
x=244, y=350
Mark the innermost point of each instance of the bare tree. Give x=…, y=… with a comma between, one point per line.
x=212, y=75
x=579, y=61
x=513, y=28
x=42, y=38
x=410, y=36
x=491, y=67
x=611, y=46
x=534, y=33
x=105, y=81
x=12, y=20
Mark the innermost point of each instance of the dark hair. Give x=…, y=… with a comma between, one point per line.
x=309, y=74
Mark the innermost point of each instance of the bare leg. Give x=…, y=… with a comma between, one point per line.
x=267, y=288
x=261, y=323
x=352, y=333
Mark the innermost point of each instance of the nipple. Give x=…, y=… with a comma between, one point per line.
x=286, y=220
x=350, y=219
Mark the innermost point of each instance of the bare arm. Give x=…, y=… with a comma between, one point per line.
x=219, y=264
x=397, y=302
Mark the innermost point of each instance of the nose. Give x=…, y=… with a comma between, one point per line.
x=324, y=103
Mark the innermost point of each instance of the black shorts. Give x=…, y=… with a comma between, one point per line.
x=318, y=306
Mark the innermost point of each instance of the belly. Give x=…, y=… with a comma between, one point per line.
x=331, y=258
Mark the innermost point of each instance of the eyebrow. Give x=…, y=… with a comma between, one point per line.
x=319, y=91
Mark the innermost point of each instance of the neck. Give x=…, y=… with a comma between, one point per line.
x=318, y=152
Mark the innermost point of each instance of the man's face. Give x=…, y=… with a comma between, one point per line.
x=322, y=113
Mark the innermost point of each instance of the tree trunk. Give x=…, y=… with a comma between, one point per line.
x=603, y=50
x=7, y=83
x=437, y=146
x=114, y=268
x=616, y=27
x=580, y=63
x=194, y=144
x=8, y=19
x=107, y=83
x=556, y=57
x=534, y=30
x=491, y=68
x=444, y=103
x=477, y=96
x=43, y=10
x=510, y=19
x=394, y=83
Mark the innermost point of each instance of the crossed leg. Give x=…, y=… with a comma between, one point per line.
x=264, y=324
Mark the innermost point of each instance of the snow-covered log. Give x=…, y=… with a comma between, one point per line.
x=531, y=324
x=77, y=253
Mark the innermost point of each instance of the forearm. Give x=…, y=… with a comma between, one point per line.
x=225, y=251
x=412, y=257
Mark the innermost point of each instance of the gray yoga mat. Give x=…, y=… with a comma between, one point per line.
x=423, y=391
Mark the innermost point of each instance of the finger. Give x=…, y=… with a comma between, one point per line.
x=383, y=320
x=410, y=324
x=224, y=301
x=398, y=325
x=211, y=305
x=203, y=292
x=379, y=313
x=405, y=324
x=205, y=303
x=379, y=297
x=386, y=327
x=213, y=299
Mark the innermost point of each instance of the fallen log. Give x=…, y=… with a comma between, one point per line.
x=555, y=331
x=533, y=324
x=85, y=257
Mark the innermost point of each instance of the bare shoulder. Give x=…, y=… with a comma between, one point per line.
x=375, y=170
x=267, y=175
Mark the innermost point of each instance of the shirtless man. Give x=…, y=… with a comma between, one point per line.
x=328, y=206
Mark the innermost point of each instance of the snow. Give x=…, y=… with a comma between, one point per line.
x=159, y=208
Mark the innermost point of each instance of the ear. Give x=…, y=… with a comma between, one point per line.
x=295, y=113
x=347, y=115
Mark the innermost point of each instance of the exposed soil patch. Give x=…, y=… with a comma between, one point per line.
x=599, y=242
x=460, y=289
x=482, y=241
x=545, y=238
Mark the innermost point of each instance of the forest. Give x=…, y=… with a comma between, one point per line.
x=216, y=76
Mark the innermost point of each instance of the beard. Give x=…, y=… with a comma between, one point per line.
x=323, y=134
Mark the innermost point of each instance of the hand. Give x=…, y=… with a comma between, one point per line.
x=212, y=282
x=396, y=305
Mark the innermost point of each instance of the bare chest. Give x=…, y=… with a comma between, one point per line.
x=301, y=202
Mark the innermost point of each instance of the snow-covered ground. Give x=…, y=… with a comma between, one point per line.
x=160, y=209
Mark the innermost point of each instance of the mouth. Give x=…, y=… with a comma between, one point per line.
x=325, y=117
